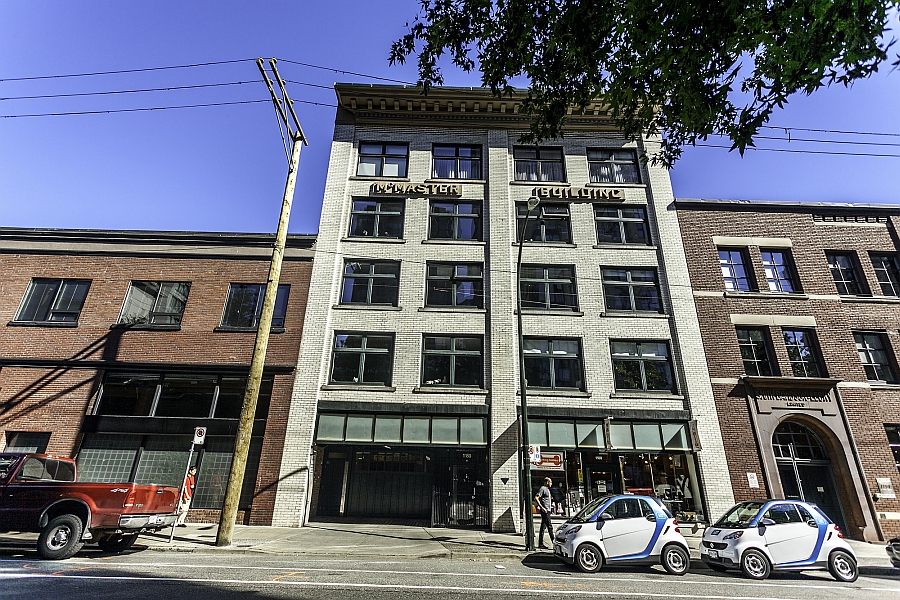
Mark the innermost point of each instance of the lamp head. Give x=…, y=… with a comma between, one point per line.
x=533, y=202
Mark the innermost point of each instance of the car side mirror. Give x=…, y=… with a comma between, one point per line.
x=766, y=522
x=812, y=523
x=606, y=516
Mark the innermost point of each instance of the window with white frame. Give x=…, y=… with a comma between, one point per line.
x=378, y=159
x=887, y=271
x=534, y=163
x=453, y=161
x=613, y=166
x=874, y=354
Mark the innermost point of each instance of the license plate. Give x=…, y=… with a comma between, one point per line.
x=714, y=554
x=155, y=519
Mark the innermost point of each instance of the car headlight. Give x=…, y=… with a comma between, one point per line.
x=733, y=536
x=573, y=530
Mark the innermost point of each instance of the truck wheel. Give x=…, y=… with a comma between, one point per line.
x=118, y=542
x=60, y=538
x=675, y=559
x=842, y=566
x=588, y=558
x=755, y=565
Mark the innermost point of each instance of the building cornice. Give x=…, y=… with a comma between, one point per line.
x=783, y=206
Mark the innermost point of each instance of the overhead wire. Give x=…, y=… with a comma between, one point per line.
x=793, y=151
x=121, y=71
x=136, y=91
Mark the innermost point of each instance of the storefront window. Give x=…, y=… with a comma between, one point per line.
x=387, y=429
x=620, y=436
x=561, y=434
x=671, y=477
x=590, y=435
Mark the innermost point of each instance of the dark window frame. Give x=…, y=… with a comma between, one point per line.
x=760, y=351
x=152, y=314
x=814, y=364
x=453, y=281
x=362, y=351
x=456, y=158
x=867, y=353
x=546, y=282
x=537, y=222
x=455, y=217
x=780, y=276
x=278, y=321
x=371, y=277
x=383, y=155
x=614, y=170
x=845, y=284
x=730, y=264
x=552, y=357
x=630, y=284
x=623, y=223
x=888, y=275
x=52, y=309
x=893, y=436
x=641, y=359
x=453, y=353
x=379, y=214
x=542, y=176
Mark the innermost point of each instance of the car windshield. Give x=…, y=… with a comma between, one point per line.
x=590, y=510
x=6, y=462
x=740, y=515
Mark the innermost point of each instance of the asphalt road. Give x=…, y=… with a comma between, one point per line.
x=227, y=576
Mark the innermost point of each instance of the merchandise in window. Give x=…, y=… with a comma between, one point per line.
x=382, y=160
x=371, y=218
x=888, y=273
x=452, y=361
x=553, y=363
x=243, y=307
x=776, y=264
x=53, y=301
x=671, y=477
x=456, y=162
x=613, y=166
x=634, y=290
x=802, y=352
x=843, y=270
x=548, y=287
x=455, y=221
x=643, y=366
x=362, y=359
x=873, y=353
x=371, y=282
x=155, y=303
x=734, y=273
x=754, y=345
x=454, y=285
x=893, y=435
x=547, y=223
x=538, y=164
x=625, y=225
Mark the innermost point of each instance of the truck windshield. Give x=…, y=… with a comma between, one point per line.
x=590, y=510
x=740, y=515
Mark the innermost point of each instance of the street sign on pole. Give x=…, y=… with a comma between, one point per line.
x=199, y=435
x=534, y=454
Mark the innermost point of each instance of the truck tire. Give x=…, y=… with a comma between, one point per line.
x=60, y=538
x=117, y=542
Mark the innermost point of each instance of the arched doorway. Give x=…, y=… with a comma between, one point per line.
x=805, y=469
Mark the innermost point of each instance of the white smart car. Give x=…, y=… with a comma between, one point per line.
x=622, y=530
x=782, y=535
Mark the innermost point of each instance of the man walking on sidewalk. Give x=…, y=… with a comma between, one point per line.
x=544, y=500
x=186, y=496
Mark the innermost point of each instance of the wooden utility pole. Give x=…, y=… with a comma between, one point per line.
x=248, y=411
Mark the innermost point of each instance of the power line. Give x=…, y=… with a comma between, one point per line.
x=803, y=151
x=204, y=64
x=311, y=66
x=162, y=89
x=830, y=131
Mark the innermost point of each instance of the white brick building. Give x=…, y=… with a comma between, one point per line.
x=406, y=400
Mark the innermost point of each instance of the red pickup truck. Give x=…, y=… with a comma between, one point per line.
x=39, y=493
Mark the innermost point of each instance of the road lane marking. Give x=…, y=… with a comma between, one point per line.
x=391, y=586
x=659, y=577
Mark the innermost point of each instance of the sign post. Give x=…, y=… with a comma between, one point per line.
x=199, y=438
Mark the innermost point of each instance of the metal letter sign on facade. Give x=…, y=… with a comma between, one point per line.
x=567, y=193
x=420, y=189
x=534, y=453
x=199, y=435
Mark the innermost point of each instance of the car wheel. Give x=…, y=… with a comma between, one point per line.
x=755, y=565
x=60, y=538
x=716, y=568
x=842, y=566
x=675, y=559
x=588, y=558
x=117, y=543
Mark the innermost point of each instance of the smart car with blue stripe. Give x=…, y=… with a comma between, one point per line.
x=622, y=530
x=762, y=536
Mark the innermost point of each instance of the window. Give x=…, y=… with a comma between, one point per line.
x=53, y=300
x=455, y=221
x=154, y=303
x=395, y=428
x=631, y=289
x=777, y=267
x=538, y=164
x=244, y=305
x=627, y=508
x=553, y=363
x=382, y=160
x=734, y=272
x=642, y=366
x=873, y=353
x=454, y=285
x=754, y=345
x=371, y=282
x=547, y=223
x=453, y=361
x=613, y=166
x=456, y=162
x=548, y=287
x=783, y=514
x=371, y=218
x=846, y=276
x=801, y=349
x=362, y=358
x=893, y=434
x=621, y=225
x=26, y=441
x=888, y=273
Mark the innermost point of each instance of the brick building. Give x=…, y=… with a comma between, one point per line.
x=410, y=406
x=799, y=304
x=114, y=345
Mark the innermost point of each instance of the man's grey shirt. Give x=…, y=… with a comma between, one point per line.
x=544, y=497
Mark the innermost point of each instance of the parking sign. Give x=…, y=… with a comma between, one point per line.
x=199, y=435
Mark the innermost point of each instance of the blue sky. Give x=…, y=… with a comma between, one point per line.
x=223, y=168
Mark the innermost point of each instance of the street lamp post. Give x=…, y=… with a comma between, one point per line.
x=526, y=460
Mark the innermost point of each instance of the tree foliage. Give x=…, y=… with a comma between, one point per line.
x=684, y=69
